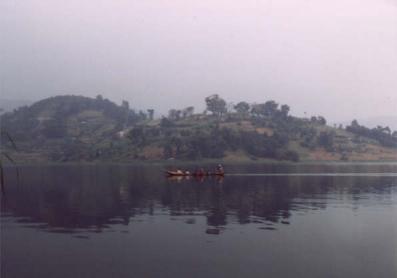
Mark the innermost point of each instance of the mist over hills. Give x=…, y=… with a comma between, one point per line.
x=77, y=128
x=7, y=105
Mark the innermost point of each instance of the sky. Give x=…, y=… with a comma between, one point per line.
x=333, y=58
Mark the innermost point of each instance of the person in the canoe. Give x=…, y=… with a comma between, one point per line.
x=219, y=170
x=200, y=172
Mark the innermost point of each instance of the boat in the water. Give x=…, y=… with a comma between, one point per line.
x=194, y=174
x=201, y=172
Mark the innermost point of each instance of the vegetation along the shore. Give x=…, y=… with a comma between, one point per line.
x=77, y=128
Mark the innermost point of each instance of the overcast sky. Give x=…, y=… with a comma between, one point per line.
x=337, y=58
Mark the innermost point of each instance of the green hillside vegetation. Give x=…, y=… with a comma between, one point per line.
x=76, y=128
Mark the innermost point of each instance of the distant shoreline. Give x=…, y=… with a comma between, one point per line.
x=203, y=162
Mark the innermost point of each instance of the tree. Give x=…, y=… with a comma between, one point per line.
x=150, y=113
x=270, y=108
x=326, y=140
x=385, y=130
x=125, y=105
x=381, y=134
x=174, y=114
x=216, y=105
x=267, y=109
x=355, y=123
x=178, y=114
x=188, y=111
x=165, y=122
x=242, y=108
x=289, y=155
x=284, y=110
x=137, y=135
x=257, y=109
x=321, y=120
x=142, y=115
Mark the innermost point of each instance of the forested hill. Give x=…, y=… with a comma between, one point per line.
x=77, y=128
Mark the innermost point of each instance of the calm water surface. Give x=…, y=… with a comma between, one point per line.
x=262, y=221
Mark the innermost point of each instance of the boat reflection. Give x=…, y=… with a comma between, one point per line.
x=201, y=179
x=94, y=199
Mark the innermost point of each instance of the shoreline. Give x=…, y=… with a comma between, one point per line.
x=202, y=162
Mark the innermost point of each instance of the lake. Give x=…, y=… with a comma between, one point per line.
x=303, y=220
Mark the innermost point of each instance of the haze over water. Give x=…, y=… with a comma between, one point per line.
x=131, y=221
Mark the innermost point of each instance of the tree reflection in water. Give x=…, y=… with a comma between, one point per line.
x=71, y=199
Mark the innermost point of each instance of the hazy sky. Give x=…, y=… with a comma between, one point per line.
x=337, y=58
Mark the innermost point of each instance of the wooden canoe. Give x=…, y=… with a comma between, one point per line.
x=179, y=174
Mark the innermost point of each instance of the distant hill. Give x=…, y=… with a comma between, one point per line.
x=77, y=128
x=75, y=125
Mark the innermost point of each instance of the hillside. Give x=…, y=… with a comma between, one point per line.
x=76, y=128
x=66, y=128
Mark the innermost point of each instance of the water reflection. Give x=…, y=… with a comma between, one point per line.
x=74, y=199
